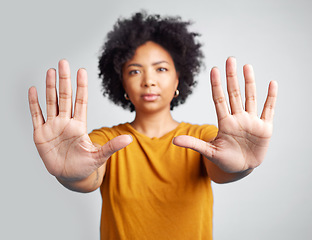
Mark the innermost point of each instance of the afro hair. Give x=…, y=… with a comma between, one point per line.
x=128, y=34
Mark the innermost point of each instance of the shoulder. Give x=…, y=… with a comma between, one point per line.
x=104, y=134
x=205, y=132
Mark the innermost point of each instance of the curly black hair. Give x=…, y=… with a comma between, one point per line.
x=128, y=34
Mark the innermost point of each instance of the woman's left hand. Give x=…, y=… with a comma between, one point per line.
x=243, y=137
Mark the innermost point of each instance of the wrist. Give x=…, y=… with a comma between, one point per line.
x=88, y=184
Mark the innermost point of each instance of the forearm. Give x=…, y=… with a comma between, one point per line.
x=219, y=176
x=89, y=184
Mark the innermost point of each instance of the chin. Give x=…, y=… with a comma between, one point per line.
x=152, y=107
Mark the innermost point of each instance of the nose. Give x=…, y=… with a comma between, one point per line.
x=148, y=80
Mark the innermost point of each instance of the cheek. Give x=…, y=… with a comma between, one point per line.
x=126, y=83
x=174, y=83
x=170, y=88
x=131, y=87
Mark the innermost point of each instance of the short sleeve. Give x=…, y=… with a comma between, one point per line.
x=208, y=132
x=98, y=136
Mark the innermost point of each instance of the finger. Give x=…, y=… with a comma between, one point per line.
x=233, y=87
x=65, y=91
x=250, y=90
x=204, y=148
x=218, y=95
x=268, y=109
x=81, y=96
x=51, y=94
x=113, y=146
x=35, y=110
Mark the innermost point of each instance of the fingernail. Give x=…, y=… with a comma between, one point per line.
x=130, y=137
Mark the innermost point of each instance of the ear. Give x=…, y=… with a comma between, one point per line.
x=177, y=80
x=122, y=81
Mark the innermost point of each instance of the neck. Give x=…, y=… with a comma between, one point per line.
x=155, y=124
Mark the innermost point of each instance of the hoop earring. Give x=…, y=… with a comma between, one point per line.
x=176, y=93
x=126, y=96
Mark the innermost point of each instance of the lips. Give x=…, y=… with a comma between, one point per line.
x=150, y=97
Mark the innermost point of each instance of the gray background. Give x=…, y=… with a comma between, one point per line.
x=274, y=36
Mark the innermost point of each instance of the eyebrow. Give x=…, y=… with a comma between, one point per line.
x=139, y=65
x=134, y=65
x=159, y=62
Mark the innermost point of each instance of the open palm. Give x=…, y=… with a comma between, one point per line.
x=243, y=137
x=62, y=140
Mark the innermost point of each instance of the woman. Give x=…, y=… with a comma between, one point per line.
x=153, y=185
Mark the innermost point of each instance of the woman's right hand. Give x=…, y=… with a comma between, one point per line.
x=62, y=140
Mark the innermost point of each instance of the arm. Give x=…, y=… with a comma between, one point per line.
x=243, y=137
x=62, y=140
x=219, y=176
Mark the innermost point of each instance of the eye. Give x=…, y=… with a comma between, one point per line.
x=134, y=72
x=162, y=69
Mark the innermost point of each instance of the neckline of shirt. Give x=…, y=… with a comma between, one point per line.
x=137, y=133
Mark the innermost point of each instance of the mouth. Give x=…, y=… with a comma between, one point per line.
x=150, y=97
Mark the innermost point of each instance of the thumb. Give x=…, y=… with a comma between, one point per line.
x=196, y=144
x=113, y=146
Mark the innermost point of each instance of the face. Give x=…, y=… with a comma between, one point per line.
x=150, y=78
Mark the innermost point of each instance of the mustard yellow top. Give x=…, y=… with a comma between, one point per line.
x=153, y=189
